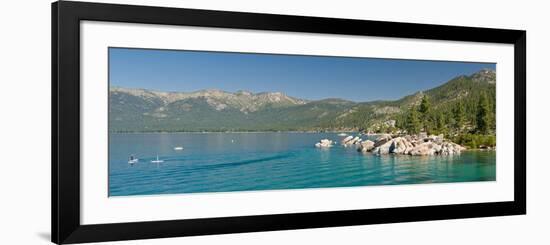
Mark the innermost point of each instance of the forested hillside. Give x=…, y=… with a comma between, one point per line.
x=461, y=107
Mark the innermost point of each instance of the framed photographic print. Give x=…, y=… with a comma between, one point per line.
x=177, y=122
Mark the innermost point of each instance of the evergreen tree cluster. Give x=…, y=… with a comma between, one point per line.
x=451, y=119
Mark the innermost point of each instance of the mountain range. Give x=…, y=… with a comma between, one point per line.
x=142, y=110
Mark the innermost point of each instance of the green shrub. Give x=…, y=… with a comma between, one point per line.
x=475, y=141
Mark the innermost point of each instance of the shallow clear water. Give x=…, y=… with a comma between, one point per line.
x=219, y=162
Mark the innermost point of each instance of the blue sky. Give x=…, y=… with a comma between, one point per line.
x=307, y=77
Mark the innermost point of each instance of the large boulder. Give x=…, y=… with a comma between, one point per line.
x=425, y=149
x=382, y=140
x=384, y=148
x=401, y=145
x=434, y=138
x=354, y=141
x=450, y=148
x=366, y=146
x=345, y=140
x=324, y=143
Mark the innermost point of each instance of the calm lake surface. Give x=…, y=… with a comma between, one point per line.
x=219, y=162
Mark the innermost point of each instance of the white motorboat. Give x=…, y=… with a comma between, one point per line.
x=178, y=148
x=158, y=160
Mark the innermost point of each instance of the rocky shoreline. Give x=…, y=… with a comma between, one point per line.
x=415, y=145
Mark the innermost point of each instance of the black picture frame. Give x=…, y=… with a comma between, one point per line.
x=66, y=17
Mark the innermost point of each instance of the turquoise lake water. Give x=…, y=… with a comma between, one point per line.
x=220, y=162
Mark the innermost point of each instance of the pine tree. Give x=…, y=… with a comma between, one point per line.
x=424, y=110
x=440, y=126
x=483, y=117
x=459, y=117
x=412, y=123
x=424, y=105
